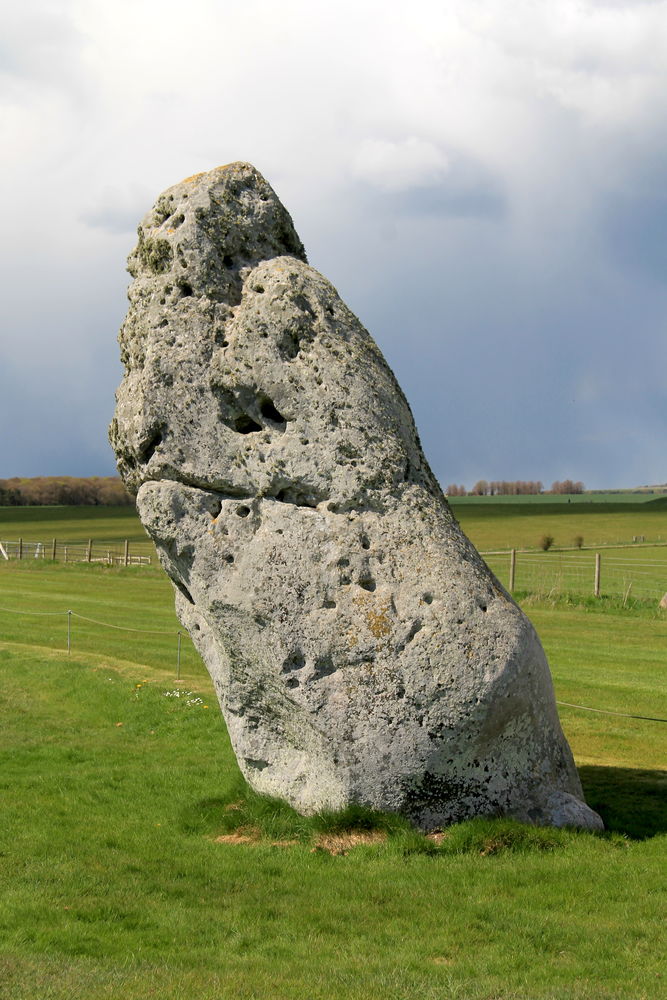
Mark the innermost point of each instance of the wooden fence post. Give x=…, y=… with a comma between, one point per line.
x=89, y=551
x=20, y=548
x=53, y=550
x=596, y=585
x=126, y=556
x=512, y=569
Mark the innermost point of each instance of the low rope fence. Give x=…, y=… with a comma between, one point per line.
x=177, y=635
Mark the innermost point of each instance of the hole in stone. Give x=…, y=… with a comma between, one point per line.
x=323, y=666
x=365, y=544
x=368, y=583
x=258, y=288
x=269, y=412
x=243, y=511
x=164, y=322
x=400, y=691
x=343, y=562
x=292, y=682
x=228, y=261
x=333, y=507
x=344, y=580
x=328, y=604
x=147, y=450
x=246, y=425
x=295, y=497
x=482, y=607
x=294, y=662
x=229, y=558
x=217, y=507
x=427, y=598
x=185, y=288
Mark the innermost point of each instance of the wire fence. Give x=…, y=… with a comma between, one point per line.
x=124, y=553
x=640, y=573
x=623, y=572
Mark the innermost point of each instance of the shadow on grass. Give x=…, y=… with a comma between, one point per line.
x=629, y=801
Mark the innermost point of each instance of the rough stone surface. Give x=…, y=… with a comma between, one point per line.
x=360, y=648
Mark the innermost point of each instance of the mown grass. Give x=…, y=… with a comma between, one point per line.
x=552, y=499
x=503, y=525
x=490, y=522
x=71, y=524
x=633, y=572
x=113, y=882
x=136, y=604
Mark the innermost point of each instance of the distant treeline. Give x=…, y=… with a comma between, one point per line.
x=513, y=488
x=57, y=490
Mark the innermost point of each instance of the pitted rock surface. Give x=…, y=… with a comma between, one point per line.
x=361, y=650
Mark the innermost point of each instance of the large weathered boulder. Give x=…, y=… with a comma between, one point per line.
x=360, y=648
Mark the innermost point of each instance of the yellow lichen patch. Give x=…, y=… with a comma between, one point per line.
x=193, y=177
x=377, y=617
x=202, y=173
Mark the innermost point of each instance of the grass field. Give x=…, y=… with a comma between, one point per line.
x=557, y=499
x=631, y=573
x=115, y=791
x=71, y=524
x=490, y=522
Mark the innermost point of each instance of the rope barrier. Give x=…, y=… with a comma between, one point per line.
x=178, y=635
x=51, y=614
x=123, y=628
x=94, y=621
x=146, y=631
x=602, y=711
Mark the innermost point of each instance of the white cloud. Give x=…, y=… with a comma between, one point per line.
x=502, y=145
x=395, y=166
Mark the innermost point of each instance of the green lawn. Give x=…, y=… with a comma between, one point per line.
x=551, y=499
x=490, y=522
x=633, y=572
x=497, y=523
x=114, y=791
x=74, y=524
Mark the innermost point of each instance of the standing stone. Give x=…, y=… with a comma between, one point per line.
x=361, y=650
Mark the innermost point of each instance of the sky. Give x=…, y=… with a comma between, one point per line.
x=484, y=182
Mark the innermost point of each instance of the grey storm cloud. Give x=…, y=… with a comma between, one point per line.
x=484, y=186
